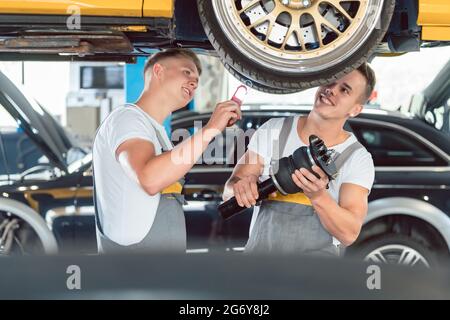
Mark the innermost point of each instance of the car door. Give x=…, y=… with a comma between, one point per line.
x=128, y=8
x=406, y=164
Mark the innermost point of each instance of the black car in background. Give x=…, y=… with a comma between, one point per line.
x=46, y=181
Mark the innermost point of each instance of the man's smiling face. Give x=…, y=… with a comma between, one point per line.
x=342, y=98
x=180, y=78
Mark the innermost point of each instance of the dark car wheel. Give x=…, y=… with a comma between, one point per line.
x=23, y=231
x=294, y=44
x=396, y=249
x=17, y=237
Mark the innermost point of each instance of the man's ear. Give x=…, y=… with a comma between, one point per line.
x=157, y=70
x=357, y=108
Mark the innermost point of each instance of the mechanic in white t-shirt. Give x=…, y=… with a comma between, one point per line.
x=137, y=173
x=321, y=219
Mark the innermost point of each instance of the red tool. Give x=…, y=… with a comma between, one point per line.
x=239, y=94
x=238, y=97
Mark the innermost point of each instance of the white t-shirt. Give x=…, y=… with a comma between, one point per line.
x=125, y=210
x=358, y=169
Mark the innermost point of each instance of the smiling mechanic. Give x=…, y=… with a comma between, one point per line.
x=319, y=220
x=137, y=170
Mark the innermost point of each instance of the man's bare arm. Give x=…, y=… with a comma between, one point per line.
x=154, y=173
x=343, y=220
x=243, y=181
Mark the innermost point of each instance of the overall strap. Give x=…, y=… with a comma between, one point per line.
x=161, y=140
x=96, y=205
x=341, y=158
x=280, y=144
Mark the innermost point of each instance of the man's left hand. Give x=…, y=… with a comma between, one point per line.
x=312, y=186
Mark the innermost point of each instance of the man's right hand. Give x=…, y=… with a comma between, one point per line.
x=246, y=191
x=225, y=114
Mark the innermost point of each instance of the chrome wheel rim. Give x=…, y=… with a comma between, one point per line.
x=282, y=34
x=397, y=254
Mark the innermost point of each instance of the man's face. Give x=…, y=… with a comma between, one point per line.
x=342, y=98
x=180, y=78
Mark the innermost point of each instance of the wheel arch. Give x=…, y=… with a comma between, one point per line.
x=34, y=220
x=412, y=208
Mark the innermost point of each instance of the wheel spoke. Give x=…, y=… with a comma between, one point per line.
x=407, y=257
x=286, y=38
x=318, y=30
x=298, y=33
x=259, y=21
x=380, y=257
x=377, y=257
x=397, y=254
x=340, y=9
x=269, y=30
x=326, y=23
x=249, y=5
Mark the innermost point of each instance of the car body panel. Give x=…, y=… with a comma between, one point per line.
x=158, y=8
x=124, y=8
x=434, y=17
x=408, y=206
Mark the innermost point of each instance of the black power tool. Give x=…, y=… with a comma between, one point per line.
x=281, y=173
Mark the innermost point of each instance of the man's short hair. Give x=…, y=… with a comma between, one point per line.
x=371, y=80
x=170, y=53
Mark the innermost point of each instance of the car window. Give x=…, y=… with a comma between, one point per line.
x=227, y=148
x=253, y=122
x=439, y=115
x=390, y=147
x=18, y=152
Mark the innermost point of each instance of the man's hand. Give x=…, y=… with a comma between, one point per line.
x=312, y=186
x=225, y=114
x=246, y=190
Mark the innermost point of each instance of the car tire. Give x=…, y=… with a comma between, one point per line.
x=29, y=227
x=256, y=85
x=235, y=38
x=395, y=249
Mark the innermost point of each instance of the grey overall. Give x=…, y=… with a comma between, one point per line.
x=168, y=231
x=293, y=228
